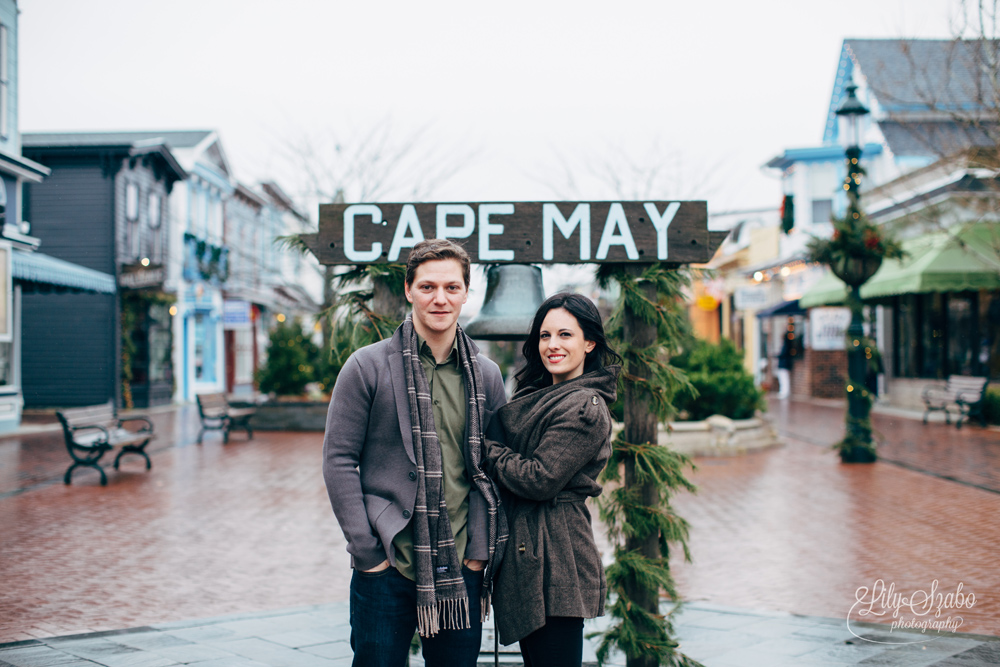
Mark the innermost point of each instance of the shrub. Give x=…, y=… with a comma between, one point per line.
x=291, y=361
x=724, y=386
x=991, y=405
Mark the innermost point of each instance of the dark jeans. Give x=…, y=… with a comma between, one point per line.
x=384, y=618
x=558, y=643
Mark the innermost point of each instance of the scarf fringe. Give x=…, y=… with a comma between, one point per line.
x=484, y=607
x=445, y=615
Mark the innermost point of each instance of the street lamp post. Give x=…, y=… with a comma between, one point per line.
x=855, y=271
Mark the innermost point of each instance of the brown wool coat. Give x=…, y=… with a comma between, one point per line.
x=557, y=442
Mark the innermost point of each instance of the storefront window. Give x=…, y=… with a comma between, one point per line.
x=932, y=328
x=6, y=364
x=937, y=335
x=204, y=347
x=989, y=328
x=962, y=336
x=159, y=343
x=905, y=360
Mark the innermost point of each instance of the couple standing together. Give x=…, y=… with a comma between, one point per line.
x=451, y=498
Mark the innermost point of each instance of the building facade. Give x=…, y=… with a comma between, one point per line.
x=104, y=206
x=909, y=140
x=26, y=274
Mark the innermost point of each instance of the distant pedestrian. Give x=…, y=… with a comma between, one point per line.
x=786, y=358
x=546, y=448
x=402, y=457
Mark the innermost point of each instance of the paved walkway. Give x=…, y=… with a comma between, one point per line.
x=246, y=529
x=319, y=636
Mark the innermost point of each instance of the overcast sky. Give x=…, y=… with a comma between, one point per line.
x=717, y=87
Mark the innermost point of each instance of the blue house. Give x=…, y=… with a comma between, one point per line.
x=932, y=110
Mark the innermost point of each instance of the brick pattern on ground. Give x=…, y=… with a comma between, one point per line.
x=215, y=530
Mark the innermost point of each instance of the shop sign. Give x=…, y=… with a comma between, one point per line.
x=137, y=276
x=750, y=298
x=235, y=314
x=828, y=328
x=523, y=232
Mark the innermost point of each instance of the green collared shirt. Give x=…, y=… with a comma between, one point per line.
x=448, y=398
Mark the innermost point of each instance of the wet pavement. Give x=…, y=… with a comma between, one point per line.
x=246, y=528
x=792, y=529
x=319, y=636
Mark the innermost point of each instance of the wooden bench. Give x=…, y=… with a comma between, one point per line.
x=217, y=415
x=964, y=392
x=92, y=431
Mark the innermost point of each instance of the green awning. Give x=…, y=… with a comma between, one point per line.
x=35, y=268
x=828, y=291
x=935, y=262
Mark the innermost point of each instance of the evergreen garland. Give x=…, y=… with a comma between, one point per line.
x=630, y=512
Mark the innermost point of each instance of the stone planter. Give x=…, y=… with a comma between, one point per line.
x=855, y=271
x=717, y=436
x=291, y=416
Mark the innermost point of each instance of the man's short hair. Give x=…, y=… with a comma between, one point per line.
x=432, y=249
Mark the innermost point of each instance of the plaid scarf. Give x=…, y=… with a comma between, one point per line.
x=442, y=600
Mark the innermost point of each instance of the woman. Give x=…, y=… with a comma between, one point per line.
x=546, y=448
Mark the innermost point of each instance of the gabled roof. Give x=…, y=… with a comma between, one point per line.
x=917, y=74
x=280, y=197
x=188, y=146
x=172, y=138
x=936, y=138
x=916, y=79
x=49, y=144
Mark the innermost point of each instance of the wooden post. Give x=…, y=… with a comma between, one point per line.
x=640, y=427
x=329, y=298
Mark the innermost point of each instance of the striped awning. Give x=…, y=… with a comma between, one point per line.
x=45, y=270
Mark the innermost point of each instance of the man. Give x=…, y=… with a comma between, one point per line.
x=402, y=459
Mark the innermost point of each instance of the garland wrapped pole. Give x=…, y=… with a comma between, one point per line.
x=638, y=244
x=854, y=254
x=649, y=325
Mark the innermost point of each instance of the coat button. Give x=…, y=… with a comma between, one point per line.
x=413, y=475
x=520, y=548
x=406, y=514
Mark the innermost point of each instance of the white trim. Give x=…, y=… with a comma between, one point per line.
x=7, y=334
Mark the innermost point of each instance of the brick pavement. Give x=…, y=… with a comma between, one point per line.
x=210, y=530
x=216, y=530
x=38, y=454
x=793, y=529
x=970, y=455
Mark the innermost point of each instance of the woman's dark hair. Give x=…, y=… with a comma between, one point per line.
x=587, y=317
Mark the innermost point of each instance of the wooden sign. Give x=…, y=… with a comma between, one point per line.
x=137, y=276
x=520, y=232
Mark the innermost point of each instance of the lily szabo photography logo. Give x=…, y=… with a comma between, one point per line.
x=934, y=609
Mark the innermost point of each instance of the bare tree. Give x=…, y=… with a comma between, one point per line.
x=375, y=163
x=656, y=171
x=945, y=102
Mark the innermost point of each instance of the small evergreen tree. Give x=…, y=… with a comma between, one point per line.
x=291, y=361
x=723, y=385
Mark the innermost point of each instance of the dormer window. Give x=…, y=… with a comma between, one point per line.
x=131, y=202
x=155, y=210
x=132, y=235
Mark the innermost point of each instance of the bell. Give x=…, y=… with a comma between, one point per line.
x=513, y=294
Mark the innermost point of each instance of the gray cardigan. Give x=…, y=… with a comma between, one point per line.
x=558, y=440
x=368, y=459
